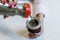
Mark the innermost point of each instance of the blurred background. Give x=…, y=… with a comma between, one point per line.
x=13, y=28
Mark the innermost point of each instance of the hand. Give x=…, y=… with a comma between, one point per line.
x=10, y=2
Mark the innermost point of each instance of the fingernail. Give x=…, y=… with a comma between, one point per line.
x=10, y=6
x=15, y=4
x=4, y=2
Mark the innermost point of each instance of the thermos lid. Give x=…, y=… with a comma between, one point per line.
x=27, y=10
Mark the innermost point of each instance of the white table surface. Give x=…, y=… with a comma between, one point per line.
x=16, y=29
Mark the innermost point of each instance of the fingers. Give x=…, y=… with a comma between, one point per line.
x=3, y=1
x=10, y=2
x=15, y=3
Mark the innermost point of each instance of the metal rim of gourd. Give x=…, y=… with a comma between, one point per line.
x=35, y=27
